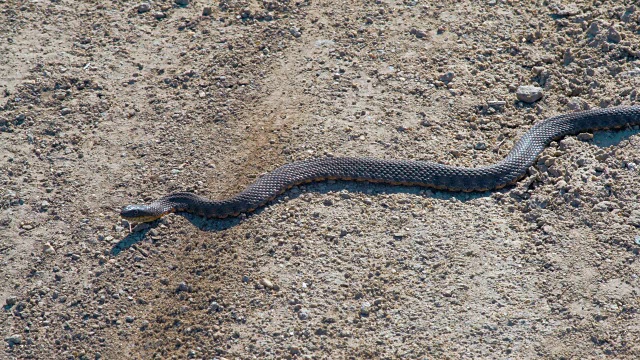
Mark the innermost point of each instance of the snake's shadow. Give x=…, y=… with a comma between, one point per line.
x=602, y=139
x=324, y=187
x=140, y=231
x=129, y=240
x=606, y=138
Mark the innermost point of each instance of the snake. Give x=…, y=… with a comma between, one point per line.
x=392, y=171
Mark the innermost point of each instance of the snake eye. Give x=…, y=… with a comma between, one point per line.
x=130, y=211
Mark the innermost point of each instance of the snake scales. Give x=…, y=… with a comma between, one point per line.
x=403, y=172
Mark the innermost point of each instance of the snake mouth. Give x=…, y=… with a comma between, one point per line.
x=138, y=213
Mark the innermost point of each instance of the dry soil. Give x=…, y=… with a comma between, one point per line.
x=107, y=103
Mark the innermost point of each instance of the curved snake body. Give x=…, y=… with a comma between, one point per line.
x=401, y=172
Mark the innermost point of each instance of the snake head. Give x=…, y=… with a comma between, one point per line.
x=139, y=213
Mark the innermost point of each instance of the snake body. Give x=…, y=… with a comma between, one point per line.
x=398, y=172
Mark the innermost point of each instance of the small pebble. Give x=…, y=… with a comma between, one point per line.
x=447, y=77
x=577, y=104
x=628, y=12
x=11, y=300
x=561, y=185
x=266, y=283
x=568, y=10
x=418, y=33
x=303, y=314
x=143, y=8
x=528, y=93
x=585, y=136
x=496, y=104
x=365, y=309
x=548, y=229
x=605, y=206
x=537, y=70
x=634, y=218
x=183, y=287
x=214, y=307
x=65, y=111
x=206, y=11
x=295, y=32
x=182, y=2
x=593, y=29
x=14, y=340
x=613, y=36
x=48, y=249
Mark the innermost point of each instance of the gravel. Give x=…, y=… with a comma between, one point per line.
x=420, y=34
x=267, y=283
x=214, y=307
x=182, y=99
x=48, y=249
x=303, y=314
x=529, y=94
x=365, y=309
x=634, y=218
x=585, y=136
x=613, y=36
x=480, y=146
x=11, y=300
x=144, y=7
x=447, y=77
x=183, y=287
x=594, y=28
x=497, y=104
x=13, y=340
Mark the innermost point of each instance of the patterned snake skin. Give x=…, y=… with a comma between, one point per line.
x=403, y=172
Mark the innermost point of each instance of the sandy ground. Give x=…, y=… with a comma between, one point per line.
x=104, y=104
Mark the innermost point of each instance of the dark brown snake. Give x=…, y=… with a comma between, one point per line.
x=398, y=172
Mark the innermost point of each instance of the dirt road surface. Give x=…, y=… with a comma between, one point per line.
x=108, y=103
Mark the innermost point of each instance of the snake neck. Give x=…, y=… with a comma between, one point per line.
x=195, y=204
